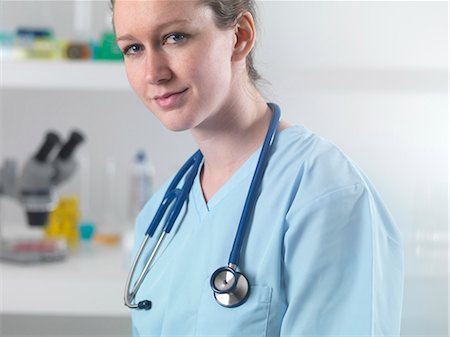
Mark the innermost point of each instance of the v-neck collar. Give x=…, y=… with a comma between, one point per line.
x=243, y=172
x=248, y=168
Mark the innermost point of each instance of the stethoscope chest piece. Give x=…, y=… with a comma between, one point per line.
x=230, y=287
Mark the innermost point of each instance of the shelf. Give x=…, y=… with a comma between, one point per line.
x=111, y=76
x=63, y=75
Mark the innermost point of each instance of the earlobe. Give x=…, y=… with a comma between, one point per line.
x=244, y=37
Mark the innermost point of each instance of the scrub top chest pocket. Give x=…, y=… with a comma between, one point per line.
x=248, y=319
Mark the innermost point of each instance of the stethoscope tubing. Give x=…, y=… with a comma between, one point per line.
x=254, y=187
x=147, y=264
x=129, y=296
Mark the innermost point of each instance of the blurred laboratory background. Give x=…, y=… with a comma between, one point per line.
x=372, y=77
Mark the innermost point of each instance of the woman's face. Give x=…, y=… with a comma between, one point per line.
x=177, y=60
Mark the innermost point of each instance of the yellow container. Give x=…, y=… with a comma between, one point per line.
x=63, y=222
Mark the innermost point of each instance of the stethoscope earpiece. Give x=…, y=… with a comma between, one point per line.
x=230, y=287
x=145, y=304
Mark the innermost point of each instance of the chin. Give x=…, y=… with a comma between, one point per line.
x=177, y=124
x=181, y=118
x=178, y=119
x=176, y=128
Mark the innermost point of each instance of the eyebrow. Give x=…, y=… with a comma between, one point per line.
x=128, y=37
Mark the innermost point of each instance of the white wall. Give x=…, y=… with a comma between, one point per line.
x=373, y=78
x=370, y=76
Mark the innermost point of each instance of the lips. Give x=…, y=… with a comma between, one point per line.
x=170, y=99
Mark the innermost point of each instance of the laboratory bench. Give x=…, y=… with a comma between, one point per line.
x=81, y=295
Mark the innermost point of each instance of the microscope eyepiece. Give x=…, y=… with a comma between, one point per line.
x=51, y=140
x=68, y=148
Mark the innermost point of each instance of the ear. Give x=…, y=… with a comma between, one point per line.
x=244, y=37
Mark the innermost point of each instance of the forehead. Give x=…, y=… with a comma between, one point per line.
x=136, y=14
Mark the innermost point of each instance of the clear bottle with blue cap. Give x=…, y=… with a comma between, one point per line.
x=141, y=183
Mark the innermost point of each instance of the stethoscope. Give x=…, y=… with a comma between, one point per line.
x=230, y=287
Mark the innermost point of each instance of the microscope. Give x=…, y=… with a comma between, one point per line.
x=34, y=189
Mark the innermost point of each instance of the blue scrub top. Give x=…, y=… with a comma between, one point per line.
x=323, y=256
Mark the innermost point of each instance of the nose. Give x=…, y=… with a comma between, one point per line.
x=157, y=70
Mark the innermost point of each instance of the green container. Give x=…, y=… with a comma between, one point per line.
x=108, y=50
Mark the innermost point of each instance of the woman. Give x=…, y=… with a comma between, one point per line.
x=322, y=255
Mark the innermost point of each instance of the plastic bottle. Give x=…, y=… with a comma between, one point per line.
x=141, y=183
x=107, y=48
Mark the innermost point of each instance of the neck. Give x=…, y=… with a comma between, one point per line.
x=228, y=141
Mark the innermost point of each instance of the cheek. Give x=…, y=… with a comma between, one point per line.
x=135, y=77
x=213, y=70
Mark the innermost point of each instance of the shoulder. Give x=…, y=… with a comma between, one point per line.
x=312, y=165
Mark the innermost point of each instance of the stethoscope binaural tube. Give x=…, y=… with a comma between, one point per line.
x=173, y=195
x=231, y=288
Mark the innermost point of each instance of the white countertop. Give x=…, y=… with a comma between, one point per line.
x=85, y=283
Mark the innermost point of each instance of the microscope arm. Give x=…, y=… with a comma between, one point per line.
x=38, y=171
x=36, y=192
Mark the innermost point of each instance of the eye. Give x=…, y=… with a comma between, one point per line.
x=173, y=38
x=132, y=49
